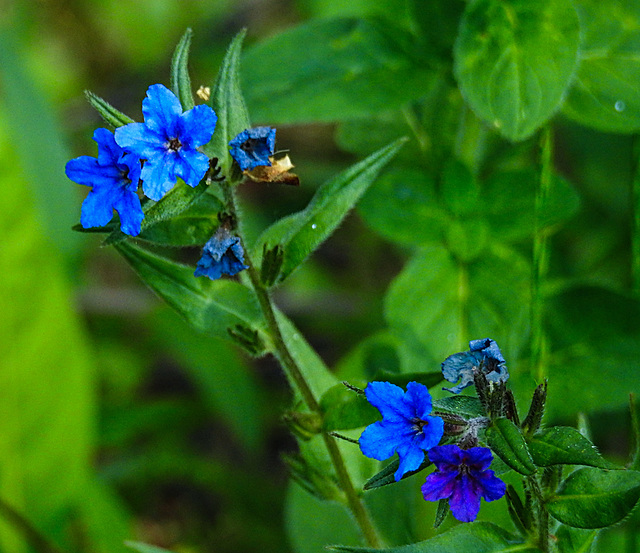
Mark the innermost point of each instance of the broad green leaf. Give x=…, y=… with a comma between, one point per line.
x=604, y=92
x=595, y=498
x=180, y=81
x=344, y=409
x=110, y=114
x=476, y=537
x=210, y=306
x=563, y=445
x=347, y=68
x=228, y=103
x=375, y=354
x=506, y=440
x=466, y=406
x=514, y=60
x=301, y=233
x=575, y=540
x=440, y=304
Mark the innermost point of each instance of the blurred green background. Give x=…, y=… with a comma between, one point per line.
x=116, y=420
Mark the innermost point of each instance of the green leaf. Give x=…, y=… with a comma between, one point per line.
x=301, y=233
x=563, y=445
x=595, y=498
x=476, y=537
x=466, y=406
x=209, y=306
x=508, y=443
x=347, y=68
x=344, y=409
x=180, y=81
x=387, y=477
x=145, y=547
x=604, y=92
x=575, y=540
x=514, y=59
x=228, y=103
x=110, y=114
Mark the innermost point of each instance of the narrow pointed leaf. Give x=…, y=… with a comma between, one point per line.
x=344, y=409
x=476, y=537
x=301, y=233
x=514, y=60
x=595, y=498
x=209, y=306
x=562, y=445
x=228, y=103
x=507, y=442
x=180, y=81
x=110, y=114
x=387, y=476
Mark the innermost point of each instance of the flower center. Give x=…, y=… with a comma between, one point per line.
x=250, y=145
x=418, y=425
x=175, y=144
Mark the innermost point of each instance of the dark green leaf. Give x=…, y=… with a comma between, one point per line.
x=575, y=540
x=429, y=379
x=228, y=103
x=604, y=94
x=344, y=409
x=145, y=547
x=562, y=445
x=466, y=406
x=110, y=114
x=301, y=233
x=387, y=475
x=475, y=537
x=180, y=81
x=209, y=306
x=515, y=59
x=347, y=68
x=595, y=498
x=506, y=441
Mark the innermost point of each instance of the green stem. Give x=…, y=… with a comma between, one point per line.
x=291, y=368
x=32, y=535
x=542, y=515
x=540, y=259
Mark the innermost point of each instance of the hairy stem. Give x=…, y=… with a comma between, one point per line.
x=291, y=368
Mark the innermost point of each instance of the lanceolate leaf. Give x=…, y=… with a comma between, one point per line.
x=562, y=445
x=507, y=442
x=209, y=306
x=476, y=537
x=604, y=94
x=344, y=409
x=301, y=233
x=514, y=59
x=595, y=498
x=228, y=103
x=180, y=81
x=110, y=114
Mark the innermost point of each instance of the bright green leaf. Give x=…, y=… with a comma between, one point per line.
x=563, y=445
x=180, y=81
x=514, y=59
x=110, y=114
x=344, y=409
x=506, y=440
x=466, y=406
x=301, y=233
x=347, y=68
x=575, y=540
x=604, y=92
x=595, y=498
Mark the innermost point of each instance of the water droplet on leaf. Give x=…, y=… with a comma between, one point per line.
x=619, y=106
x=314, y=226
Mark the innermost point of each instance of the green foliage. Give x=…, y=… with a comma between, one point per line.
x=506, y=441
x=180, y=80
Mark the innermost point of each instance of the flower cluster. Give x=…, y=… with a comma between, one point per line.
x=410, y=429
x=154, y=154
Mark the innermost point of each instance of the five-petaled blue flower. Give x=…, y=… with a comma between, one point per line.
x=484, y=355
x=114, y=176
x=222, y=254
x=167, y=141
x=405, y=428
x=253, y=147
x=463, y=477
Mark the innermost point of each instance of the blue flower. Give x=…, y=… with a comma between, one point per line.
x=167, y=141
x=405, y=428
x=114, y=176
x=484, y=355
x=222, y=254
x=463, y=477
x=252, y=147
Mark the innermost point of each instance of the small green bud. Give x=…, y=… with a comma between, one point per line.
x=272, y=259
x=533, y=419
x=247, y=338
x=304, y=425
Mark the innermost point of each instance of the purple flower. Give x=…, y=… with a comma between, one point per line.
x=463, y=477
x=405, y=428
x=253, y=147
x=222, y=254
x=167, y=141
x=114, y=176
x=484, y=355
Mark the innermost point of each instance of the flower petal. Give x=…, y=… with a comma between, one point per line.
x=388, y=399
x=196, y=126
x=477, y=458
x=97, y=208
x=130, y=212
x=411, y=457
x=446, y=457
x=83, y=170
x=158, y=176
x=492, y=487
x=108, y=150
x=191, y=166
x=381, y=439
x=432, y=431
x=439, y=485
x=419, y=399
x=161, y=109
x=465, y=500
x=140, y=140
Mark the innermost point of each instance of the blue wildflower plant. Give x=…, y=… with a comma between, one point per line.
x=221, y=255
x=407, y=426
x=168, y=141
x=253, y=147
x=484, y=355
x=114, y=176
x=462, y=477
